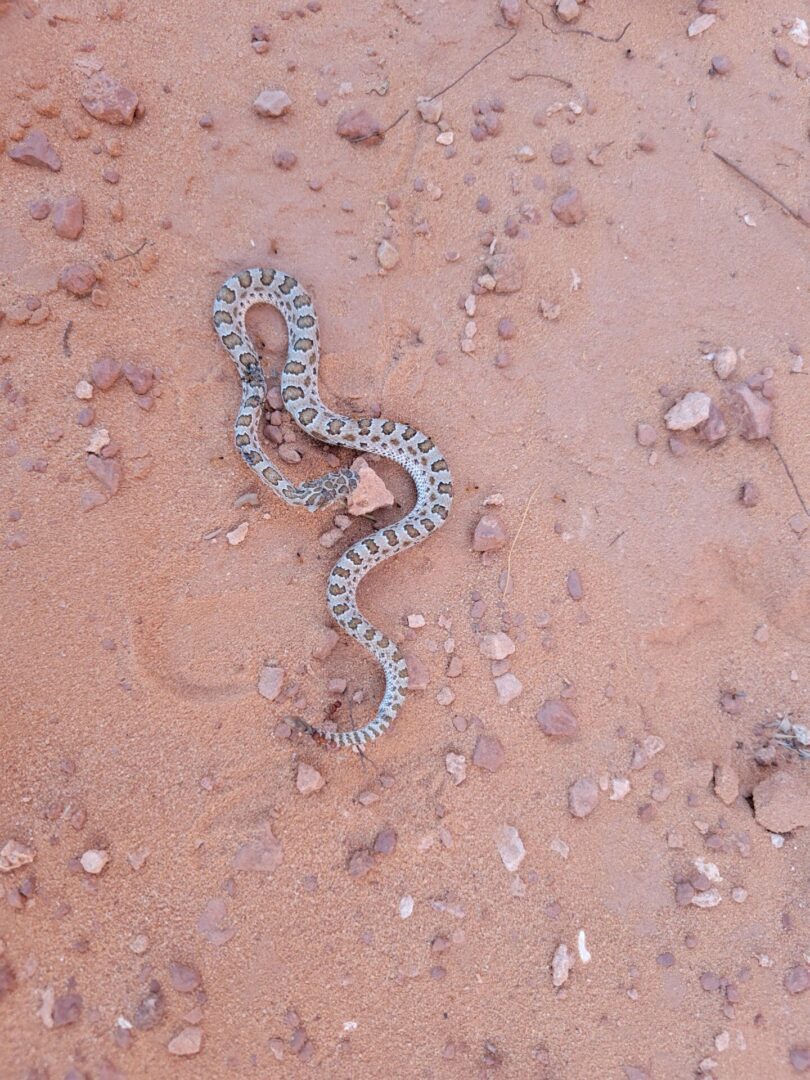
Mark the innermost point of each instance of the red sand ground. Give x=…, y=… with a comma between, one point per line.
x=134, y=634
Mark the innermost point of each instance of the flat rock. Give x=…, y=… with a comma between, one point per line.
x=508, y=687
x=556, y=719
x=308, y=780
x=185, y=978
x=358, y=125
x=490, y=534
x=272, y=103
x=488, y=753
x=568, y=208
x=726, y=784
x=271, y=681
x=756, y=413
x=496, y=646
x=108, y=100
x=36, y=149
x=68, y=217
x=264, y=854
x=371, y=493
x=583, y=795
x=187, y=1042
x=782, y=802
x=690, y=411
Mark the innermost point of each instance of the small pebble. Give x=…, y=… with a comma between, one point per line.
x=94, y=861
x=583, y=796
x=308, y=780
x=272, y=103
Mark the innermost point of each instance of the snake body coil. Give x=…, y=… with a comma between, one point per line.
x=401, y=443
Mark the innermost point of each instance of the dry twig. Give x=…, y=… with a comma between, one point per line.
x=760, y=187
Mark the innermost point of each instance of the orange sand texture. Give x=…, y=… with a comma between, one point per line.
x=134, y=633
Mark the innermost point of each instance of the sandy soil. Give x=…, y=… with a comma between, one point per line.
x=134, y=633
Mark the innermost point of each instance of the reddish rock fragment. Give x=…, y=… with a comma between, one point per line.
x=418, y=674
x=284, y=160
x=39, y=209
x=714, y=428
x=511, y=11
x=385, y=841
x=36, y=149
x=109, y=100
x=308, y=780
x=184, y=977
x=264, y=854
x=756, y=413
x=272, y=103
x=583, y=795
x=67, y=1009
x=186, y=1042
x=646, y=434
x=489, y=753
x=359, y=126
x=68, y=217
x=360, y=862
x=797, y=979
x=371, y=493
x=490, y=534
x=568, y=208
x=104, y=372
x=78, y=279
x=556, y=719
x=749, y=494
x=573, y=584
x=212, y=924
x=106, y=470
x=141, y=379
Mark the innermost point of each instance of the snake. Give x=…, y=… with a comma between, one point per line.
x=399, y=442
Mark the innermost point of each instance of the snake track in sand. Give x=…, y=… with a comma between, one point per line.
x=401, y=443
